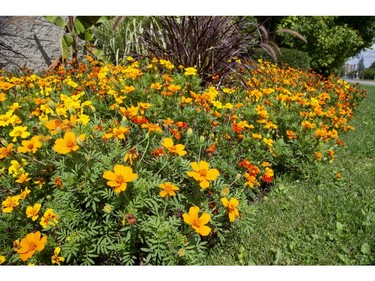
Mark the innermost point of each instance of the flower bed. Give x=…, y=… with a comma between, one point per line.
x=139, y=164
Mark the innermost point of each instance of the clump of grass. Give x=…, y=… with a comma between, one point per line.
x=326, y=219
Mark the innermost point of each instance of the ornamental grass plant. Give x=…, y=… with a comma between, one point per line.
x=140, y=164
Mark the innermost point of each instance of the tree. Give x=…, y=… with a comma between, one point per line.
x=360, y=68
x=328, y=44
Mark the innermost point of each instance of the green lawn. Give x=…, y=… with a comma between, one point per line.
x=318, y=221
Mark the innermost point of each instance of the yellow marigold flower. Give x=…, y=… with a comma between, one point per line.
x=142, y=106
x=31, y=243
x=203, y=174
x=120, y=177
x=55, y=259
x=129, y=112
x=49, y=218
x=168, y=189
x=156, y=86
x=269, y=142
x=166, y=63
x=128, y=89
x=186, y=100
x=15, y=168
x=15, y=106
x=22, y=178
x=32, y=211
x=7, y=118
x=256, y=136
x=40, y=182
x=152, y=127
x=10, y=203
x=5, y=151
x=131, y=155
x=198, y=223
x=19, y=131
x=24, y=193
x=173, y=149
x=190, y=71
x=2, y=259
x=307, y=125
x=231, y=207
x=67, y=144
x=30, y=145
x=118, y=133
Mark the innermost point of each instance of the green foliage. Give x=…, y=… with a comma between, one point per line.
x=329, y=45
x=295, y=58
x=109, y=139
x=76, y=27
x=369, y=73
x=121, y=40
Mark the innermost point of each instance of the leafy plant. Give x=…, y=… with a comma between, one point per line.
x=76, y=27
x=211, y=44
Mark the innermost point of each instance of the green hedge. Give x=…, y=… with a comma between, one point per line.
x=293, y=58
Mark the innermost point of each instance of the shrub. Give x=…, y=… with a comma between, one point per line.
x=139, y=164
x=211, y=44
x=295, y=58
x=369, y=73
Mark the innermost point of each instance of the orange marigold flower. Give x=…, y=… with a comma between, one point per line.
x=198, y=223
x=231, y=207
x=58, y=182
x=32, y=211
x=10, y=203
x=251, y=180
x=173, y=149
x=307, y=125
x=55, y=259
x=31, y=243
x=152, y=128
x=5, y=151
x=158, y=152
x=67, y=144
x=202, y=173
x=291, y=135
x=318, y=155
x=120, y=177
x=30, y=145
x=168, y=189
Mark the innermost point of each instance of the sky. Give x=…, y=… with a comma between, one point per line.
x=368, y=57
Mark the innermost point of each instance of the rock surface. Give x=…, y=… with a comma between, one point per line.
x=28, y=41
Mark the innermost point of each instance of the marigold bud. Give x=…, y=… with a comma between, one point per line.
x=189, y=132
x=201, y=139
x=4, y=142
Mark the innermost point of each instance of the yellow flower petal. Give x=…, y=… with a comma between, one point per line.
x=204, y=230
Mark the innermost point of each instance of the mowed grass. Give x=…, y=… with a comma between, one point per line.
x=321, y=220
